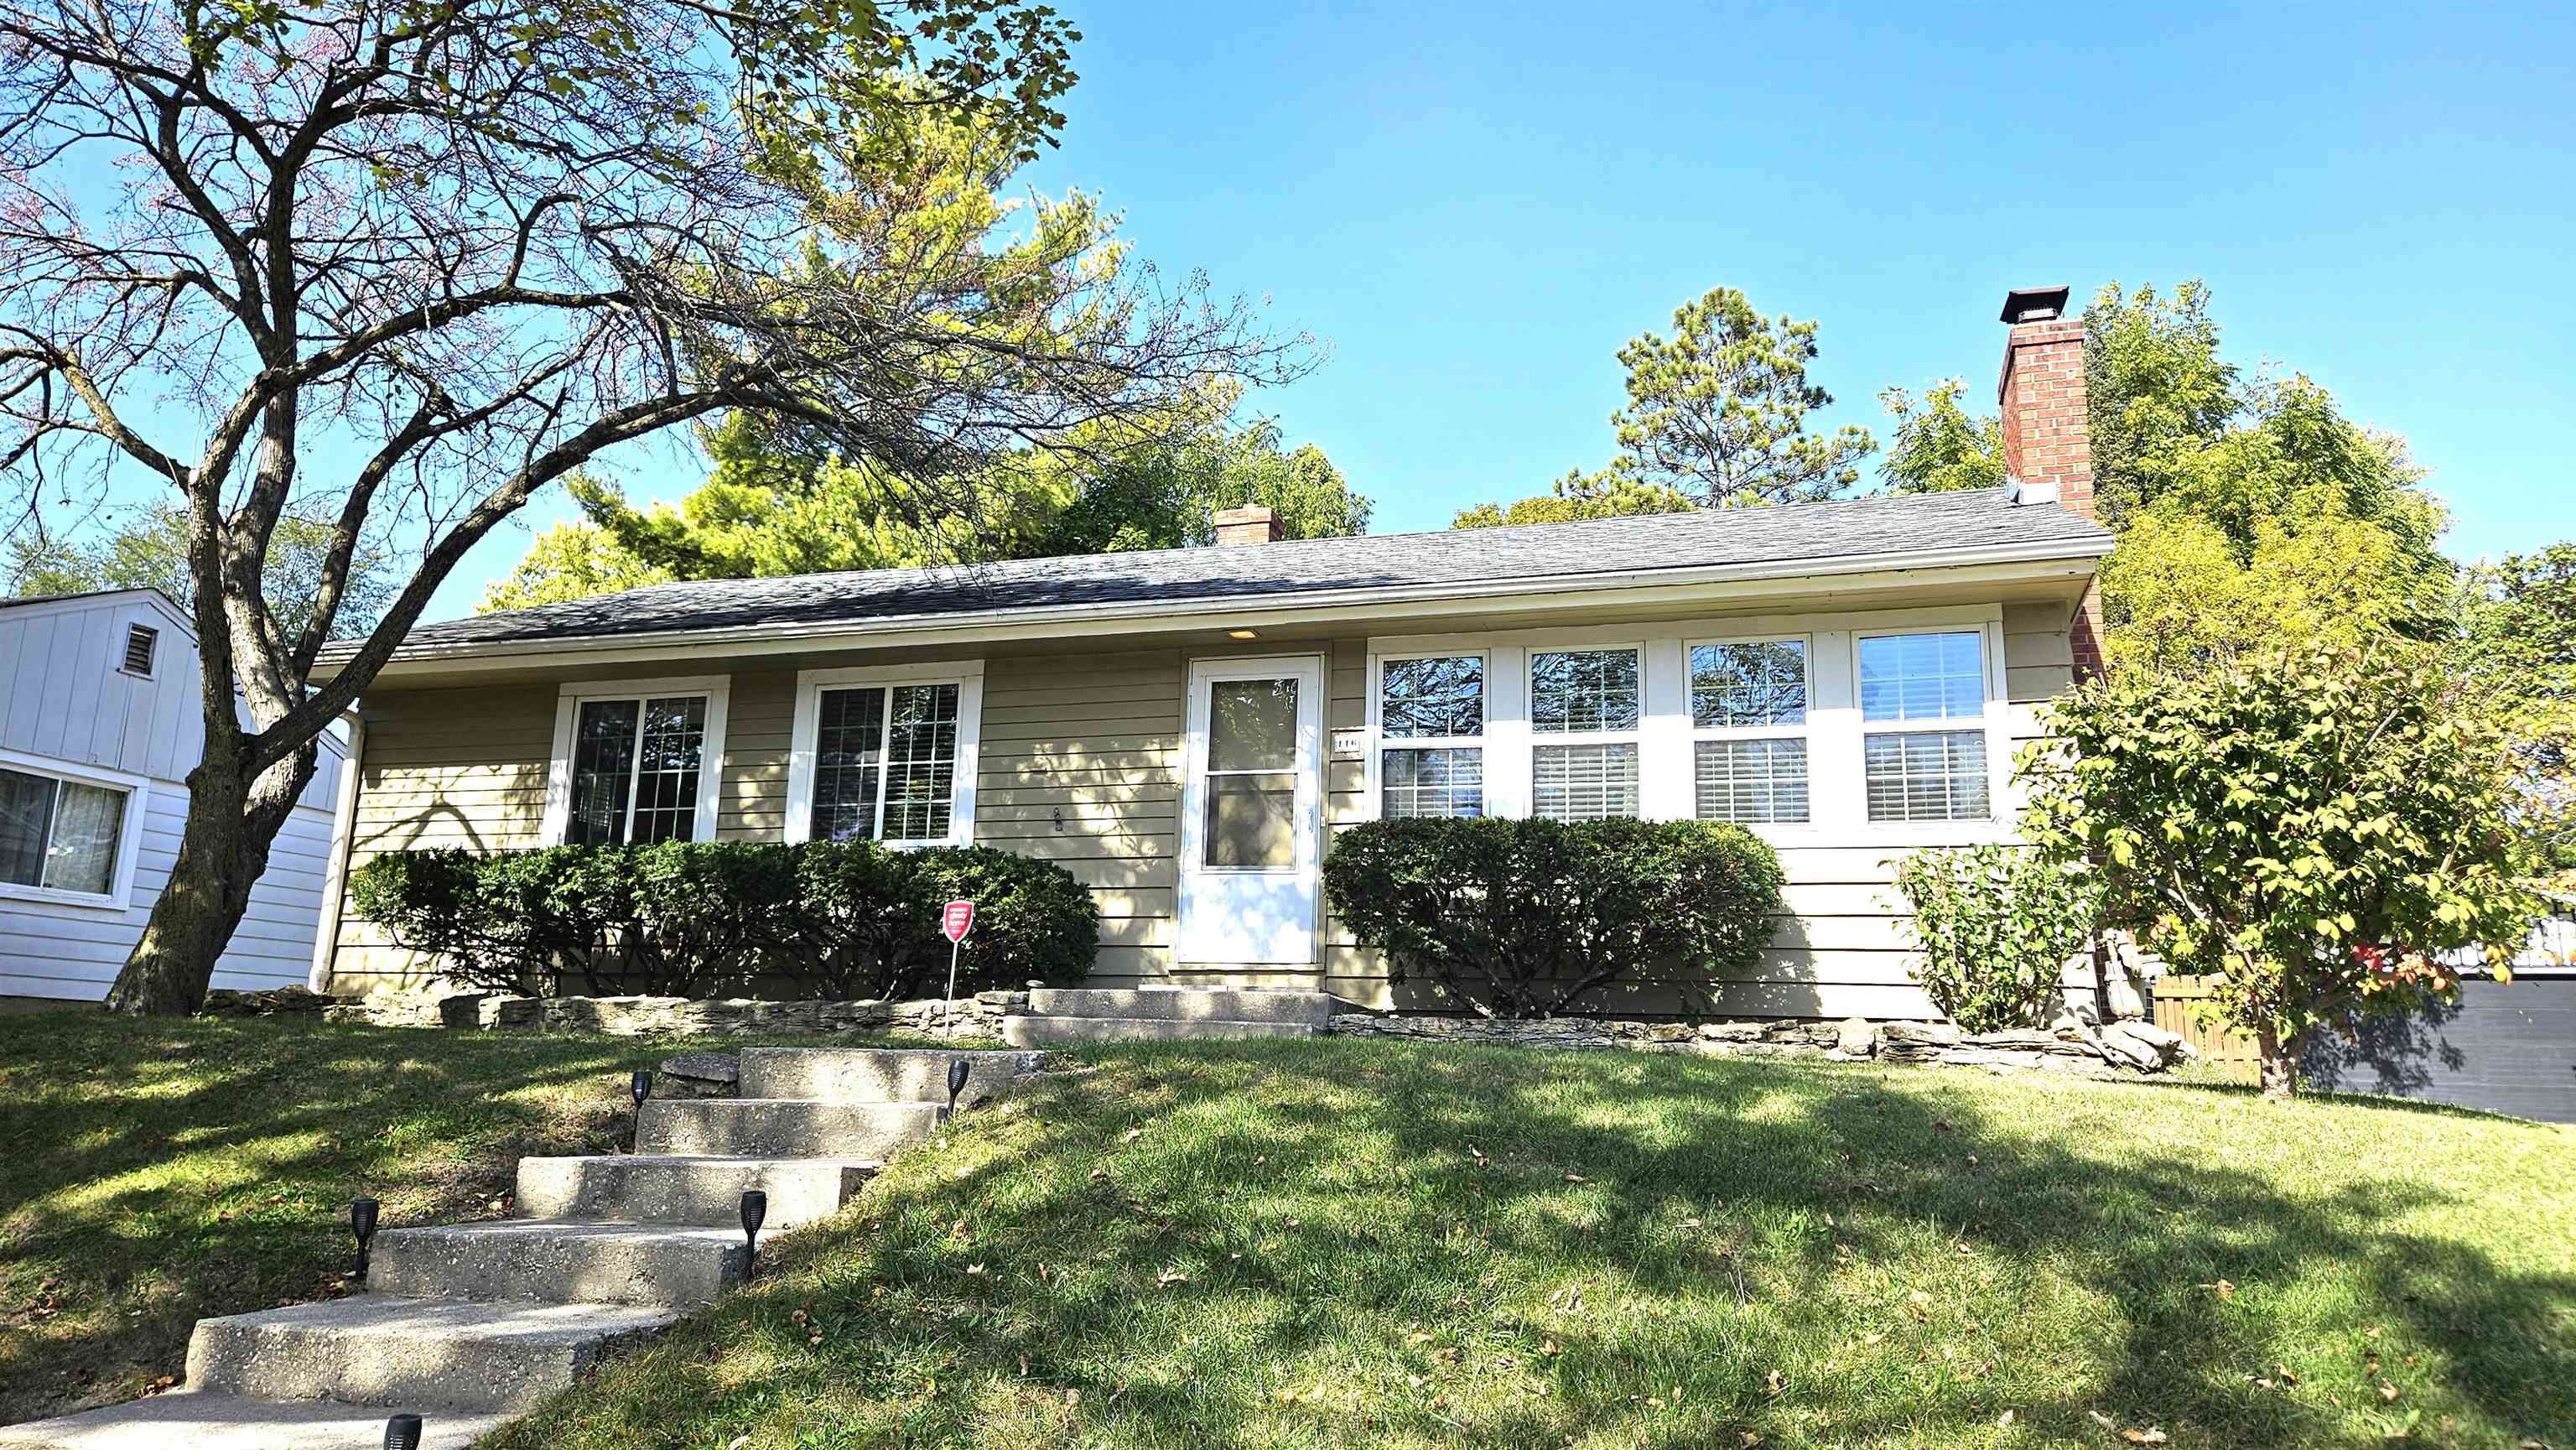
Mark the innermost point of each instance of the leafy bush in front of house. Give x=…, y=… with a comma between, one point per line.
x=1524, y=918
x=2316, y=829
x=670, y=919
x=866, y=920
x=1997, y=925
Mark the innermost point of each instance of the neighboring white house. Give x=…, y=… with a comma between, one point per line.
x=99, y=727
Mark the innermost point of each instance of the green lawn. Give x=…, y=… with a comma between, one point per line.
x=151, y=1173
x=1343, y=1244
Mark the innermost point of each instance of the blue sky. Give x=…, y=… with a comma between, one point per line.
x=1474, y=205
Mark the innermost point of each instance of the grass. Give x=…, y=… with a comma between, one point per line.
x=154, y=1172
x=1340, y=1244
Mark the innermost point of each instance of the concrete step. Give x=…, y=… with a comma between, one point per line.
x=651, y=1188
x=560, y=1261
x=783, y=1127
x=878, y=1075
x=195, y=1420
x=1187, y=1004
x=412, y=1354
x=1060, y=1031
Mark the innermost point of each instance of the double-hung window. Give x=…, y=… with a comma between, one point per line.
x=1584, y=706
x=885, y=754
x=1431, y=720
x=637, y=762
x=1923, y=741
x=1748, y=703
x=62, y=835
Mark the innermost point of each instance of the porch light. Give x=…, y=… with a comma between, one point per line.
x=1243, y=634
x=362, y=1224
x=755, y=1210
x=639, y=1089
x=957, y=1070
x=402, y=1432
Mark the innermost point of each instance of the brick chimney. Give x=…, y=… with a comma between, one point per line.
x=2048, y=444
x=1254, y=525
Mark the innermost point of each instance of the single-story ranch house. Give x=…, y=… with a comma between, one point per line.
x=1184, y=730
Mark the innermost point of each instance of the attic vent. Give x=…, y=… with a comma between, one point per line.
x=140, y=643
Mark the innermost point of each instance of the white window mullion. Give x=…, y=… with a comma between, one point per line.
x=1665, y=787
x=634, y=772
x=885, y=757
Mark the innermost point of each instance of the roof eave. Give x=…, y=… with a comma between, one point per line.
x=2041, y=559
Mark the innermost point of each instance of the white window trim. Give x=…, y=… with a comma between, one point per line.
x=1639, y=736
x=1803, y=730
x=1837, y=808
x=129, y=842
x=805, y=740
x=716, y=690
x=1380, y=742
x=1993, y=718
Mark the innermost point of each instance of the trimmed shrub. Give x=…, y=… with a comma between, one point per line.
x=829, y=919
x=866, y=920
x=1525, y=918
x=1997, y=925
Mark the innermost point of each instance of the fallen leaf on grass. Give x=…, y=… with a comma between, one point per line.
x=2387, y=1391
x=1774, y=1382
x=1132, y=1135
x=2148, y=1436
x=1169, y=1277
x=2004, y=1420
x=1576, y=1178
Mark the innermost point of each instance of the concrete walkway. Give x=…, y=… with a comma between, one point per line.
x=468, y=1325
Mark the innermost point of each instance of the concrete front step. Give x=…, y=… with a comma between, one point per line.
x=192, y=1420
x=878, y=1075
x=412, y=1354
x=1186, y=1004
x=1059, y=1031
x=559, y=1261
x=688, y=1190
x=783, y=1127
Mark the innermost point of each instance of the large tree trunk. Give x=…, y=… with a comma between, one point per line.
x=232, y=822
x=2280, y=1062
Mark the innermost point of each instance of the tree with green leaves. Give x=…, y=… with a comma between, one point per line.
x=1716, y=417
x=2156, y=392
x=1154, y=483
x=1938, y=447
x=1608, y=494
x=151, y=552
x=2319, y=829
x=2518, y=636
x=406, y=262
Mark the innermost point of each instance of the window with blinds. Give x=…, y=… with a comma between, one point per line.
x=1916, y=765
x=1584, y=710
x=1431, y=716
x=1748, y=701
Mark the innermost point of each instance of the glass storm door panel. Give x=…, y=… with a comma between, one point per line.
x=1251, y=816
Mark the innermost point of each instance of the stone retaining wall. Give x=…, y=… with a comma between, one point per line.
x=977, y=1016
x=2071, y=1046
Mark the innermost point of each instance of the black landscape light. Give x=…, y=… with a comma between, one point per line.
x=402, y=1432
x=362, y=1223
x=957, y=1070
x=755, y=1211
x=639, y=1089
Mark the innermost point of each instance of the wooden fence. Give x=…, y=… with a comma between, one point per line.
x=2178, y=1009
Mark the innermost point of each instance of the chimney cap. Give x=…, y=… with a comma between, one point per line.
x=2035, y=304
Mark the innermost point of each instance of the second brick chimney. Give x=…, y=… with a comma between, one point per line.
x=2048, y=441
x=1254, y=525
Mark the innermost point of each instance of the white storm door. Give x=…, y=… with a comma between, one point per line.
x=1252, y=813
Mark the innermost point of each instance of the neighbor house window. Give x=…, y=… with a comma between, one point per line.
x=1916, y=763
x=637, y=763
x=58, y=834
x=1584, y=708
x=1431, y=720
x=1749, y=730
x=885, y=754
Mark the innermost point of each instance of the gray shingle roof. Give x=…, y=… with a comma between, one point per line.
x=1312, y=569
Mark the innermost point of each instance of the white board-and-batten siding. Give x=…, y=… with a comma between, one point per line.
x=1080, y=763
x=66, y=701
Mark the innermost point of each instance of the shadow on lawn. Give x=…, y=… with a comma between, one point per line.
x=1800, y=1181
x=152, y=1173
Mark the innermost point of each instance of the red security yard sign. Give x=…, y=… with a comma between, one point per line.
x=955, y=920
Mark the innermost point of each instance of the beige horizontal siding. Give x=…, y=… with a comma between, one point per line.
x=1097, y=737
